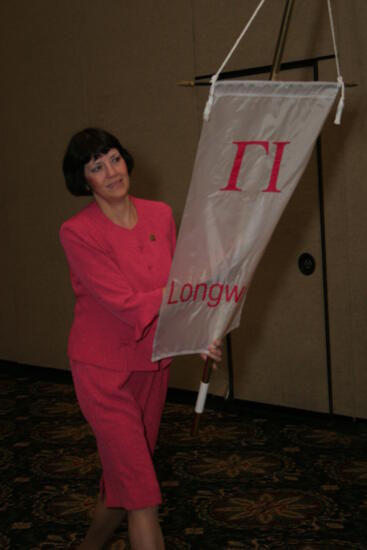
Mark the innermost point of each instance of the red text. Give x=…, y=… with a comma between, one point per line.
x=241, y=149
x=213, y=293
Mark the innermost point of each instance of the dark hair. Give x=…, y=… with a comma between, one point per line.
x=85, y=145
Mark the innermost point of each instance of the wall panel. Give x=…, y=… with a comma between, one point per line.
x=67, y=65
x=71, y=65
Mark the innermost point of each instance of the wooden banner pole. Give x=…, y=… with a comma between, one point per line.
x=282, y=37
x=204, y=384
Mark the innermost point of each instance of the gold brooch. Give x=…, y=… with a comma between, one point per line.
x=152, y=237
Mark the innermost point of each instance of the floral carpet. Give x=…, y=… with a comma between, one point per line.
x=254, y=478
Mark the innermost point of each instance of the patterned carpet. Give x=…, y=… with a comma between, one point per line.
x=255, y=478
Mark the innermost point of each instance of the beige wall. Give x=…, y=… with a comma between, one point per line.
x=71, y=64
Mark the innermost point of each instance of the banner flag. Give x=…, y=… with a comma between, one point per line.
x=251, y=155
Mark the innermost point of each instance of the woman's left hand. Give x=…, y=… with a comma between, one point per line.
x=214, y=352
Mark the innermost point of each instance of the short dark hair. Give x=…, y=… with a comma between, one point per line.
x=89, y=144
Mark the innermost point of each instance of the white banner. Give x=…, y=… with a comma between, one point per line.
x=251, y=155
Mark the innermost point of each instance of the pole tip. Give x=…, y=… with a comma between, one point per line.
x=187, y=83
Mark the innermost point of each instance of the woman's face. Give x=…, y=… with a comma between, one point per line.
x=108, y=177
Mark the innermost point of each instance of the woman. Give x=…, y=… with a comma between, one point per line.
x=119, y=249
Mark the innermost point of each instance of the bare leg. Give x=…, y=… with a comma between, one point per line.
x=144, y=530
x=105, y=521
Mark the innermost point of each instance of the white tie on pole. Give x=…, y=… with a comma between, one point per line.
x=340, y=108
x=215, y=77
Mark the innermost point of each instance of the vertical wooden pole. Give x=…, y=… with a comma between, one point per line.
x=279, y=48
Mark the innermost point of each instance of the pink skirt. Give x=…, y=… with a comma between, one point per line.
x=124, y=411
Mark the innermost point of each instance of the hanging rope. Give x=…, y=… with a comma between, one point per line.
x=340, y=107
x=214, y=78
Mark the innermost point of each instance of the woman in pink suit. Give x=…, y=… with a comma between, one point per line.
x=119, y=249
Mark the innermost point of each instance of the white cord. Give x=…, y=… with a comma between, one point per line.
x=214, y=78
x=340, y=107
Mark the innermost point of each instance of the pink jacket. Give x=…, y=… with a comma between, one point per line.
x=117, y=276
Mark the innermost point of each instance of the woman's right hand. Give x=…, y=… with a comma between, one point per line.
x=215, y=352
